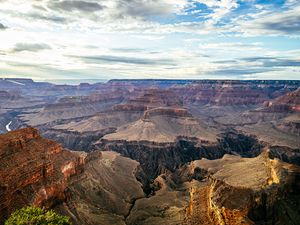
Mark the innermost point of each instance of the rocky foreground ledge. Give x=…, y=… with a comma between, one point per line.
x=106, y=188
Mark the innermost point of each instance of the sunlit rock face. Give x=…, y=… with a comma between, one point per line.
x=248, y=190
x=33, y=170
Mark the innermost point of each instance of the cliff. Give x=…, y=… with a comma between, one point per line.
x=33, y=170
x=250, y=190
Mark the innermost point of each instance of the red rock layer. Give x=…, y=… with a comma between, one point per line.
x=33, y=170
x=289, y=102
x=222, y=94
x=149, y=99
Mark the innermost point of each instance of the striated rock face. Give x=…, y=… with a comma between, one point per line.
x=250, y=191
x=105, y=192
x=72, y=107
x=166, y=111
x=93, y=189
x=223, y=94
x=33, y=170
x=100, y=188
x=157, y=157
x=289, y=102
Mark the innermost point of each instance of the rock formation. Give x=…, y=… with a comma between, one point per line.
x=248, y=190
x=33, y=170
x=105, y=188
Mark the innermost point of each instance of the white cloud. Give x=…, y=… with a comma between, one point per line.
x=189, y=41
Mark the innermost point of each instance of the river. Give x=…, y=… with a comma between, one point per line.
x=7, y=126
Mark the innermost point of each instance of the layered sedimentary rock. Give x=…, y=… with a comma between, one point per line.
x=158, y=157
x=95, y=188
x=105, y=192
x=71, y=108
x=248, y=191
x=226, y=93
x=105, y=188
x=289, y=102
x=33, y=170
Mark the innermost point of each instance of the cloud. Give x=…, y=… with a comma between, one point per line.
x=273, y=61
x=51, y=18
x=219, y=8
x=70, y=5
x=2, y=27
x=125, y=60
x=278, y=22
x=128, y=50
x=239, y=71
x=284, y=24
x=150, y=8
x=144, y=38
x=31, y=47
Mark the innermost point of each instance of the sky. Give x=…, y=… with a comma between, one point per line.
x=165, y=39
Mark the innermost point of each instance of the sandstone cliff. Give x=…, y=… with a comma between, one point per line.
x=33, y=170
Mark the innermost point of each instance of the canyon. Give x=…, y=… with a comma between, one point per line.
x=152, y=151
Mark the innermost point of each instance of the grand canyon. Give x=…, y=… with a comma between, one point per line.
x=152, y=151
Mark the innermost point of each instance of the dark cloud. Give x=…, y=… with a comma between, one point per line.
x=273, y=61
x=287, y=24
x=240, y=71
x=258, y=58
x=126, y=60
x=19, y=47
x=143, y=8
x=56, y=19
x=69, y=5
x=267, y=64
x=2, y=27
x=225, y=61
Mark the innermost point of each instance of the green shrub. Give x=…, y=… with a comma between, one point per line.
x=36, y=216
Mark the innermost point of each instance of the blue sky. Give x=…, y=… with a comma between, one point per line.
x=181, y=39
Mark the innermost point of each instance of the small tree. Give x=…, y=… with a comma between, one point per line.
x=36, y=216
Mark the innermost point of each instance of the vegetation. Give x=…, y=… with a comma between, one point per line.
x=36, y=216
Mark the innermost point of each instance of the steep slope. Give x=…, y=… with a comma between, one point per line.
x=33, y=170
x=250, y=191
x=101, y=188
x=96, y=188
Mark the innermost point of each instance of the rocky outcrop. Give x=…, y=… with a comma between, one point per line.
x=33, y=170
x=167, y=111
x=105, y=188
x=250, y=191
x=93, y=189
x=289, y=102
